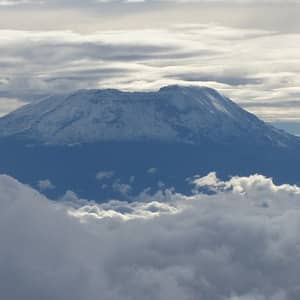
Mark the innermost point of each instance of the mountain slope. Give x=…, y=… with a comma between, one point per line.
x=103, y=144
x=173, y=114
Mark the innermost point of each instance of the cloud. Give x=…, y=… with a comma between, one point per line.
x=89, y=2
x=240, y=243
x=152, y=171
x=104, y=175
x=248, y=65
x=45, y=184
x=9, y=104
x=122, y=188
x=13, y=2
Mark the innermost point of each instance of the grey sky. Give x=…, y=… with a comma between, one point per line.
x=248, y=51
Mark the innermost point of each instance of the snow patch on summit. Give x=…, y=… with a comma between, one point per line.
x=172, y=114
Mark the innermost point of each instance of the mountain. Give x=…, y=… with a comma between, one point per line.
x=173, y=114
x=176, y=132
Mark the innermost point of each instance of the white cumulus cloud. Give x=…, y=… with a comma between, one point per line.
x=240, y=243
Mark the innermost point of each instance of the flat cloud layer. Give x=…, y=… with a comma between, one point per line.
x=72, y=2
x=242, y=242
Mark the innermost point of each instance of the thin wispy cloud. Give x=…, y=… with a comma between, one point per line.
x=62, y=2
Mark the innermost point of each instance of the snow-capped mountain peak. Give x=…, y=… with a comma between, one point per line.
x=172, y=114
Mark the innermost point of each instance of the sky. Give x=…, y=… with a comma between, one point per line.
x=248, y=50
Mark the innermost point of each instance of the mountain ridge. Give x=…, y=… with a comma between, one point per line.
x=171, y=114
x=179, y=132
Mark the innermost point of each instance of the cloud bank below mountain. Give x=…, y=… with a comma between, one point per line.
x=241, y=242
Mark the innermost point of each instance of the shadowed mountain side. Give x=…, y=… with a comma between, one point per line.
x=130, y=163
x=135, y=141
